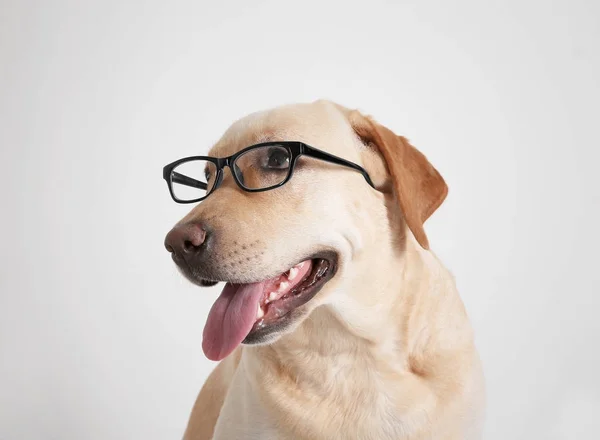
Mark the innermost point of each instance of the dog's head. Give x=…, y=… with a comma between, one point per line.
x=285, y=251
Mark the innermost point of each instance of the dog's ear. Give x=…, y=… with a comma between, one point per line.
x=418, y=186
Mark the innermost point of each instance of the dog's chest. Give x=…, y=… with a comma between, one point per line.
x=243, y=416
x=344, y=403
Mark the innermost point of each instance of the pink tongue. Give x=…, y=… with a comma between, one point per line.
x=230, y=319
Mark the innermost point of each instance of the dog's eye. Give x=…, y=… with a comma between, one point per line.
x=277, y=158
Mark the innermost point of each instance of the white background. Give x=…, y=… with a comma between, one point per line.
x=100, y=337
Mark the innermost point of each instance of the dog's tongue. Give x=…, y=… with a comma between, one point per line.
x=230, y=319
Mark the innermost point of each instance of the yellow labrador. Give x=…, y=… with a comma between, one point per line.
x=336, y=320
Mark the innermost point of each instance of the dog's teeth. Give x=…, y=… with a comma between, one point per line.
x=283, y=285
x=273, y=296
x=293, y=273
x=259, y=312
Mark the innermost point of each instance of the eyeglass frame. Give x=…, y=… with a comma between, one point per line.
x=296, y=149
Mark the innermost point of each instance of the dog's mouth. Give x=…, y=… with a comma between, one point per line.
x=250, y=313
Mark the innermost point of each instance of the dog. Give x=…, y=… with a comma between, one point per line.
x=337, y=321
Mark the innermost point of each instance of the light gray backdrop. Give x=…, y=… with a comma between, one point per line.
x=100, y=336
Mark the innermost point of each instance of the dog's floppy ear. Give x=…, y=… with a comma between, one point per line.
x=418, y=186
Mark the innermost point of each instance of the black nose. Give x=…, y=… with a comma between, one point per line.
x=186, y=240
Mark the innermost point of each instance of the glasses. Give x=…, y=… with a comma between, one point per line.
x=261, y=167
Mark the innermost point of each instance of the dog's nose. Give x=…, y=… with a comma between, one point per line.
x=185, y=240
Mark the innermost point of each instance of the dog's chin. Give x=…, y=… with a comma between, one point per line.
x=264, y=334
x=283, y=314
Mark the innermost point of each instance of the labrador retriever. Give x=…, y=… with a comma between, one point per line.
x=336, y=320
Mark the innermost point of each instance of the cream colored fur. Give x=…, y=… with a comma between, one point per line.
x=386, y=350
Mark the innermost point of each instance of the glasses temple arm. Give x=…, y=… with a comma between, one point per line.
x=321, y=155
x=187, y=181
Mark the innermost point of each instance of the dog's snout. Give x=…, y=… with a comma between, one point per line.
x=186, y=240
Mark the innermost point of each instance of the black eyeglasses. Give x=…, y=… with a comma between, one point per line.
x=261, y=167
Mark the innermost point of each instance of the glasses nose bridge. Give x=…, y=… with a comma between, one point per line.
x=222, y=163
